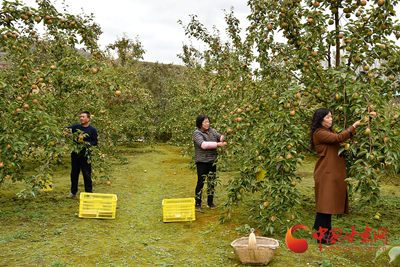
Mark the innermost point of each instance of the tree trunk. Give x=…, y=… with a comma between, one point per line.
x=337, y=37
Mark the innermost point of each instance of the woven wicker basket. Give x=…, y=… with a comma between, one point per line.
x=259, y=254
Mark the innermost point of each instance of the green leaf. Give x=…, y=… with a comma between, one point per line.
x=384, y=251
x=394, y=255
x=358, y=161
x=362, y=153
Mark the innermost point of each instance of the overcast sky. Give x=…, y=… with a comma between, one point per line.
x=155, y=21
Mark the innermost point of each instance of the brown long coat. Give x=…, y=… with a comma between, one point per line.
x=330, y=172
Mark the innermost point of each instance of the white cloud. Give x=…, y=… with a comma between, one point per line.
x=154, y=21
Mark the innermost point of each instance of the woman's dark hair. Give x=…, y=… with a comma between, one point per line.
x=317, y=119
x=200, y=119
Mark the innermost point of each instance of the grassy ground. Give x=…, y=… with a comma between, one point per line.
x=46, y=230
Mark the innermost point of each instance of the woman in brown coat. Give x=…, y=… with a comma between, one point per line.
x=330, y=170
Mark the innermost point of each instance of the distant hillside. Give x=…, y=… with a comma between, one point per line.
x=87, y=55
x=83, y=53
x=148, y=63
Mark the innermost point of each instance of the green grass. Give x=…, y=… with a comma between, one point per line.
x=13, y=237
x=46, y=231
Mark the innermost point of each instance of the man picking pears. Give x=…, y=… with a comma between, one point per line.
x=79, y=161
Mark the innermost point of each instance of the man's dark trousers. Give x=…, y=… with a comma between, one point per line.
x=80, y=162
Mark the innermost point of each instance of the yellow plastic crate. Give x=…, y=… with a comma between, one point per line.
x=177, y=210
x=99, y=206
